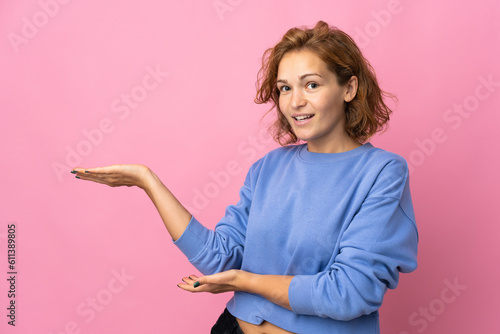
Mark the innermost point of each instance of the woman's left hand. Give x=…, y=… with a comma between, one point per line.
x=231, y=280
x=272, y=287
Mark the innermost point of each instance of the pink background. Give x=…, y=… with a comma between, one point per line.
x=67, y=65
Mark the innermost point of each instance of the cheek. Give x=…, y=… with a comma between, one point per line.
x=332, y=104
x=282, y=116
x=282, y=104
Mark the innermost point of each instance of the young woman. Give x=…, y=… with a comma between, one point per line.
x=323, y=227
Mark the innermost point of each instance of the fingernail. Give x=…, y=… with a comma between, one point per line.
x=73, y=172
x=178, y=286
x=196, y=284
x=77, y=177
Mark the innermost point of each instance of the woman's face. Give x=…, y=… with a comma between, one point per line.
x=313, y=102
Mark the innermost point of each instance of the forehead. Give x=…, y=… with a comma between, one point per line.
x=297, y=63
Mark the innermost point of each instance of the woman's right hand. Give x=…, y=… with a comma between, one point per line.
x=175, y=216
x=116, y=175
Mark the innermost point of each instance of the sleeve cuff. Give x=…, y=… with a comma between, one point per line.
x=300, y=294
x=192, y=241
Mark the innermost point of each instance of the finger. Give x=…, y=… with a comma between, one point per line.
x=78, y=170
x=185, y=287
x=94, y=179
x=82, y=172
x=107, y=179
x=188, y=280
x=196, y=281
x=101, y=170
x=218, y=278
x=190, y=288
x=189, y=284
x=200, y=281
x=94, y=170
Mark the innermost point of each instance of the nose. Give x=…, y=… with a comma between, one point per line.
x=298, y=99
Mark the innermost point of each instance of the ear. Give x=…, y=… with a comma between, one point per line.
x=351, y=89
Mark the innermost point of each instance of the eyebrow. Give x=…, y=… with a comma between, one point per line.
x=302, y=77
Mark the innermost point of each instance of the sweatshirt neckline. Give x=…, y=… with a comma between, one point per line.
x=308, y=156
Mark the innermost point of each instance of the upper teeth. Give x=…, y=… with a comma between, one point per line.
x=300, y=118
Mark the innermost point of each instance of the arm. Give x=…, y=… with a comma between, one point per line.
x=220, y=249
x=272, y=287
x=175, y=217
x=208, y=250
x=379, y=243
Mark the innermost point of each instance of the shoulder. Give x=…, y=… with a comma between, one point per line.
x=393, y=180
x=274, y=158
x=389, y=171
x=280, y=154
x=387, y=162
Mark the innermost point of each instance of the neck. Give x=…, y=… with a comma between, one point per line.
x=337, y=146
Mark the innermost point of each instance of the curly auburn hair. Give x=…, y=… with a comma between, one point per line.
x=365, y=115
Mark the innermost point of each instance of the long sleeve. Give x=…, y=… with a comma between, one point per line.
x=221, y=249
x=379, y=242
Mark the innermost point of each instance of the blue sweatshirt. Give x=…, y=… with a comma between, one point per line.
x=341, y=223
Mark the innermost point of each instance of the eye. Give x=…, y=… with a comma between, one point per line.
x=284, y=88
x=312, y=85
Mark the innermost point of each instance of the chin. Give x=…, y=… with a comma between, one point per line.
x=304, y=137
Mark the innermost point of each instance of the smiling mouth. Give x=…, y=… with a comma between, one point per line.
x=302, y=118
